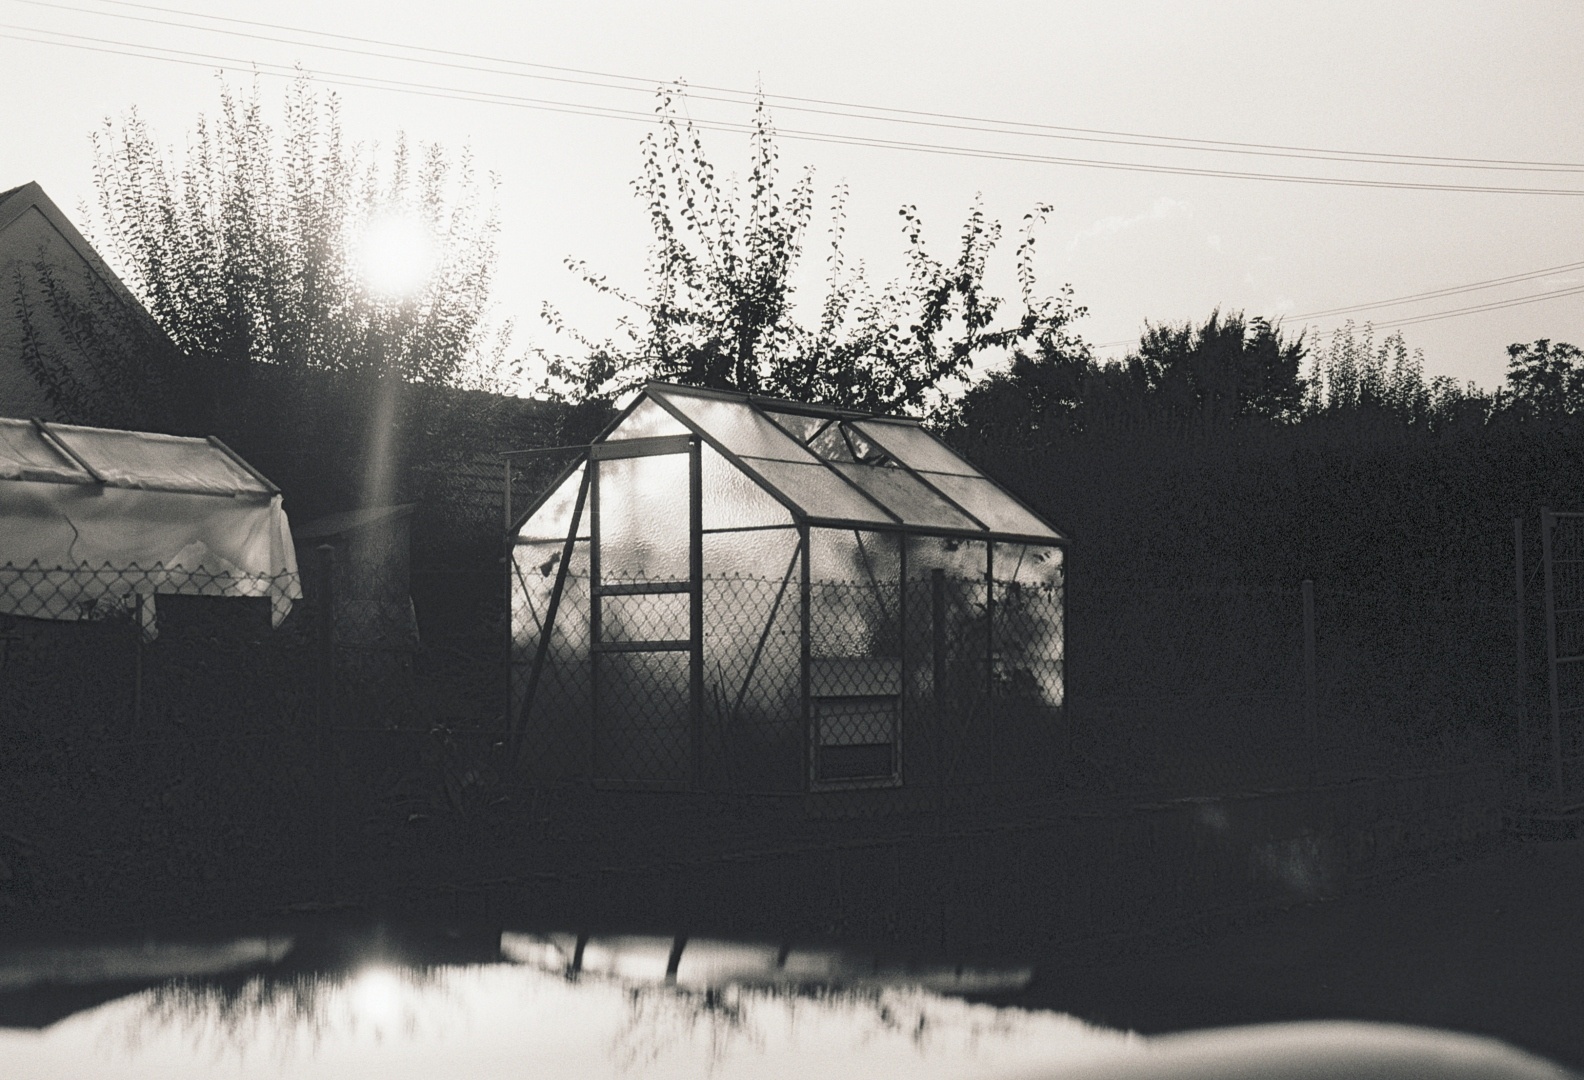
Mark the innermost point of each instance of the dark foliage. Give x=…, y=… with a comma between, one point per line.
x=1545, y=381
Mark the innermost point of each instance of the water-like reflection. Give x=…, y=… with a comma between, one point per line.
x=373, y=1002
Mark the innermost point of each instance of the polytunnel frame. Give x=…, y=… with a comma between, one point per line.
x=802, y=520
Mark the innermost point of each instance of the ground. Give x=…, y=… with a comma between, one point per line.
x=1490, y=945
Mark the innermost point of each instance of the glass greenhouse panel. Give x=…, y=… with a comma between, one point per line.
x=759, y=554
x=643, y=520
x=739, y=428
x=905, y=497
x=960, y=560
x=643, y=723
x=732, y=500
x=753, y=735
x=534, y=568
x=849, y=555
x=1029, y=564
x=553, y=724
x=990, y=505
x=818, y=491
x=803, y=428
x=647, y=421
x=915, y=447
x=831, y=445
x=554, y=516
x=1029, y=626
x=646, y=617
x=855, y=602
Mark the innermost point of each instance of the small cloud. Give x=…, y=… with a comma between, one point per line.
x=1162, y=209
x=1284, y=305
x=1213, y=241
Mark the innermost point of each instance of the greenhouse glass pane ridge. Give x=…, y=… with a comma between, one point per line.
x=818, y=490
x=738, y=427
x=915, y=447
x=905, y=496
x=648, y=419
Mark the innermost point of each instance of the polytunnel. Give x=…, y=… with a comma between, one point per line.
x=728, y=592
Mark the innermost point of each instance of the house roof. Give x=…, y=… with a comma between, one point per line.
x=23, y=198
x=838, y=467
x=71, y=454
x=350, y=521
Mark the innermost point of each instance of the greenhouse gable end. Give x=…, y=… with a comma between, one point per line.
x=734, y=593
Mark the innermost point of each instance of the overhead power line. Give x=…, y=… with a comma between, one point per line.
x=817, y=106
x=1449, y=291
x=193, y=57
x=1434, y=316
x=1492, y=306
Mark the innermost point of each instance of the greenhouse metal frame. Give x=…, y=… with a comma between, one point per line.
x=731, y=592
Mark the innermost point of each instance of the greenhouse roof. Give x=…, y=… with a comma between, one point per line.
x=70, y=454
x=838, y=467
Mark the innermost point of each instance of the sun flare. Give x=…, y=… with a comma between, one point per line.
x=395, y=256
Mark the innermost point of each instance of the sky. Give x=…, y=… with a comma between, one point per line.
x=1345, y=83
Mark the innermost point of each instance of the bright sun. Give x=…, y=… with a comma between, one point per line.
x=395, y=256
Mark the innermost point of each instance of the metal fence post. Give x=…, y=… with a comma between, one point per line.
x=1547, y=525
x=137, y=656
x=805, y=599
x=989, y=686
x=324, y=693
x=1311, y=717
x=940, y=737
x=508, y=555
x=1522, y=664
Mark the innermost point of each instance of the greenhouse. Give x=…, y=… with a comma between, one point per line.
x=728, y=592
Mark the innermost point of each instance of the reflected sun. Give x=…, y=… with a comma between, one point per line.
x=376, y=996
x=395, y=255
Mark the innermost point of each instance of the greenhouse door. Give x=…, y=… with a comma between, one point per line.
x=646, y=614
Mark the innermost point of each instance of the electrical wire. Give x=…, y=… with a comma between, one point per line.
x=1449, y=291
x=851, y=111
x=796, y=103
x=191, y=57
x=1494, y=305
x=1414, y=320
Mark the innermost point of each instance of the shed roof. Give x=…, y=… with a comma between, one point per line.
x=71, y=454
x=838, y=467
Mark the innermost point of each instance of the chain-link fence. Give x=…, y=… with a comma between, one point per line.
x=924, y=694
x=160, y=707
x=928, y=696
x=899, y=686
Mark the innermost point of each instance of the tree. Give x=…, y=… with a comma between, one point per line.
x=1354, y=376
x=1545, y=380
x=251, y=251
x=1227, y=368
x=1189, y=377
x=245, y=249
x=719, y=307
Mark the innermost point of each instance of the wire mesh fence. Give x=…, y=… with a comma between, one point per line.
x=931, y=693
x=228, y=728
x=936, y=693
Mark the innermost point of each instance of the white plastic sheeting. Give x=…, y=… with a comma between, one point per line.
x=93, y=519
